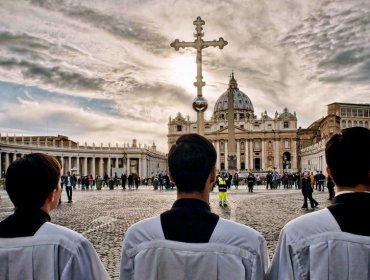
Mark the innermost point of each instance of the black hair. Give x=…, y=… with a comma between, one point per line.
x=30, y=179
x=348, y=156
x=190, y=161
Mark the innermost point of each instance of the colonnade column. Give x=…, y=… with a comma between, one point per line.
x=238, y=154
x=145, y=170
x=101, y=167
x=93, y=167
x=128, y=167
x=62, y=163
x=294, y=162
x=109, y=167
x=116, y=159
x=14, y=157
x=78, y=165
x=226, y=155
x=85, y=166
x=69, y=163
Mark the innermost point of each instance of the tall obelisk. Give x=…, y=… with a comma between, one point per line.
x=231, y=144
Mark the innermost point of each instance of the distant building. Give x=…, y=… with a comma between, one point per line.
x=312, y=140
x=145, y=161
x=262, y=143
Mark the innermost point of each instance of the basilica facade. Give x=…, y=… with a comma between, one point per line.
x=262, y=143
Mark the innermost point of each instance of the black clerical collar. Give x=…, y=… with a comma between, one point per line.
x=24, y=222
x=191, y=203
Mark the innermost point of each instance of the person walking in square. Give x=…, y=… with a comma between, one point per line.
x=69, y=182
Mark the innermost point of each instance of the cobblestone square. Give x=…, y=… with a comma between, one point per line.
x=104, y=216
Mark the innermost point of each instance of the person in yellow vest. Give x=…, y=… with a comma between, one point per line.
x=222, y=189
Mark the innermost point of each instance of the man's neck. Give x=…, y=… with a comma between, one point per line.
x=195, y=195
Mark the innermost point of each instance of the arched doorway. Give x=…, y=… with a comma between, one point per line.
x=286, y=161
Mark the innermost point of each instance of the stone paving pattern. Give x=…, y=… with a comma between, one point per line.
x=104, y=216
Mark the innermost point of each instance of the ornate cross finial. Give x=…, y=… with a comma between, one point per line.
x=199, y=103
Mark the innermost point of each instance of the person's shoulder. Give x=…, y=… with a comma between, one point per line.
x=235, y=234
x=144, y=230
x=310, y=224
x=62, y=236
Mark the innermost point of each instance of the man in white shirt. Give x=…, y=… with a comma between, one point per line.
x=333, y=243
x=189, y=241
x=30, y=246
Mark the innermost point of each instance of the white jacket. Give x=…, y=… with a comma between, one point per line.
x=234, y=251
x=54, y=252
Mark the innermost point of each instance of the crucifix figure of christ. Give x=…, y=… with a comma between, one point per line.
x=199, y=103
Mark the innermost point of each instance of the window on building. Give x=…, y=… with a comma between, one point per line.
x=179, y=128
x=344, y=124
x=286, y=124
x=355, y=123
x=367, y=124
x=221, y=126
x=194, y=128
x=242, y=145
x=270, y=145
x=222, y=147
x=360, y=112
x=286, y=144
x=354, y=112
x=366, y=113
x=257, y=145
x=343, y=112
x=241, y=116
x=360, y=123
x=269, y=126
x=349, y=123
x=242, y=126
x=349, y=112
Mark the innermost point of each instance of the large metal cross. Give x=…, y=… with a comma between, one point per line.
x=200, y=103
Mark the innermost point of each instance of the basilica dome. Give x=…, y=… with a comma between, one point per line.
x=241, y=100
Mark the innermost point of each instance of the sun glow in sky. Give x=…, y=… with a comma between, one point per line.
x=104, y=71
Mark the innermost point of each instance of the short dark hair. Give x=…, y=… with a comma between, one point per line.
x=190, y=162
x=30, y=179
x=348, y=156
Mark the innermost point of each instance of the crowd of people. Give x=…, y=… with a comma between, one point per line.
x=189, y=241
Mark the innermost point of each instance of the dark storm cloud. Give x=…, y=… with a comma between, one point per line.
x=337, y=42
x=53, y=75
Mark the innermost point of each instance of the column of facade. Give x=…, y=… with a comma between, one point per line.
x=85, y=166
x=14, y=157
x=139, y=166
x=101, y=167
x=218, y=165
x=246, y=149
x=69, y=163
x=250, y=159
x=294, y=156
x=93, y=167
x=6, y=161
x=62, y=163
x=263, y=159
x=276, y=155
x=116, y=162
x=1, y=170
x=226, y=155
x=238, y=154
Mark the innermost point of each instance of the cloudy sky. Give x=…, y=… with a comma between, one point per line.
x=103, y=70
